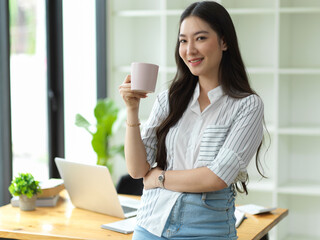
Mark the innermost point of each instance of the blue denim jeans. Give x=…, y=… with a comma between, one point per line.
x=203, y=216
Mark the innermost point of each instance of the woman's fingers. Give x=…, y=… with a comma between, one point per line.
x=127, y=79
x=133, y=94
x=131, y=98
x=125, y=85
x=125, y=89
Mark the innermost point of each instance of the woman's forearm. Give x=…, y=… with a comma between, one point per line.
x=135, y=152
x=193, y=180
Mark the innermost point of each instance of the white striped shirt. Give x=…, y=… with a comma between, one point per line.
x=224, y=137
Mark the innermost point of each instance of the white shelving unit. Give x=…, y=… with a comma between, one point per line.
x=279, y=41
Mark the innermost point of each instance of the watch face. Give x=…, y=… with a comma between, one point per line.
x=161, y=179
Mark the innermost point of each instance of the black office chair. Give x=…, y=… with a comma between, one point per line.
x=129, y=185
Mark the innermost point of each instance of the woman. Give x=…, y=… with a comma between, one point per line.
x=201, y=134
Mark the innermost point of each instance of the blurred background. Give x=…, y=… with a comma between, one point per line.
x=66, y=54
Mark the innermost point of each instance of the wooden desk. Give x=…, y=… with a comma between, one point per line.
x=67, y=222
x=257, y=226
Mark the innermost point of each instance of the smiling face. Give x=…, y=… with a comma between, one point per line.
x=200, y=47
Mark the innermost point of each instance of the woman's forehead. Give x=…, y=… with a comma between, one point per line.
x=193, y=25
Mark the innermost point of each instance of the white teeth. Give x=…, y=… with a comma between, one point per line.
x=195, y=61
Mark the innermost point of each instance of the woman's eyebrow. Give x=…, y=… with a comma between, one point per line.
x=196, y=33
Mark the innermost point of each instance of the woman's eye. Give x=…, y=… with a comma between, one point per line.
x=182, y=41
x=201, y=38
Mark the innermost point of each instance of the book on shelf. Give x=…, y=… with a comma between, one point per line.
x=40, y=202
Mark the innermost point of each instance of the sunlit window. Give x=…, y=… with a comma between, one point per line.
x=29, y=82
x=29, y=87
x=79, y=59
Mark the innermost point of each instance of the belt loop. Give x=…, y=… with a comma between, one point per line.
x=204, y=196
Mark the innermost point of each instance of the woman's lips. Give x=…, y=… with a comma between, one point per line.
x=195, y=62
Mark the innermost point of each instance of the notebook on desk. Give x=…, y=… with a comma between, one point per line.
x=91, y=187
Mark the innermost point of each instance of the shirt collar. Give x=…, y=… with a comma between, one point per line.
x=196, y=94
x=213, y=95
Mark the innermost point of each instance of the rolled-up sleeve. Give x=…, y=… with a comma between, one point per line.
x=148, y=134
x=242, y=141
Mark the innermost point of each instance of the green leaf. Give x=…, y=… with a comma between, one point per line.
x=107, y=124
x=99, y=142
x=82, y=122
x=105, y=108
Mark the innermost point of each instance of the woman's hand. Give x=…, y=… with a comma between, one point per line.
x=151, y=179
x=131, y=98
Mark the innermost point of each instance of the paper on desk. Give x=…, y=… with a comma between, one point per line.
x=123, y=226
x=239, y=217
x=254, y=209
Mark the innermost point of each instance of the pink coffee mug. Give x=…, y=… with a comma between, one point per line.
x=144, y=77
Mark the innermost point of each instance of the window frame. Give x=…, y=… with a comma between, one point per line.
x=55, y=91
x=101, y=48
x=5, y=105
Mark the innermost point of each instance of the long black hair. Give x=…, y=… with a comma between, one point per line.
x=232, y=74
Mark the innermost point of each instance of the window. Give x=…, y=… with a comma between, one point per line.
x=48, y=85
x=79, y=43
x=29, y=87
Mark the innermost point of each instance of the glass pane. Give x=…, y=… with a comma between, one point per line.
x=28, y=87
x=79, y=59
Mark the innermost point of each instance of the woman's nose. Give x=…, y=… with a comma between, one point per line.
x=191, y=48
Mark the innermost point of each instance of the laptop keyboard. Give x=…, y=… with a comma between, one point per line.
x=128, y=209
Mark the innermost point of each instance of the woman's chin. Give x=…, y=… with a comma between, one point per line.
x=195, y=73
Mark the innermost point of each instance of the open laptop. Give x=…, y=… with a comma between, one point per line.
x=91, y=187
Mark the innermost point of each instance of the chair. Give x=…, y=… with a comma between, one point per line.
x=129, y=185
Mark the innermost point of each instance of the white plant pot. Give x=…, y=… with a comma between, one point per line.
x=27, y=204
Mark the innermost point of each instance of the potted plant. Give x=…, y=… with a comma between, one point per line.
x=27, y=188
x=109, y=119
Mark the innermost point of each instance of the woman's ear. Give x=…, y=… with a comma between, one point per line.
x=223, y=44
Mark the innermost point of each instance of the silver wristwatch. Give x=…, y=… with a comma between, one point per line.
x=161, y=179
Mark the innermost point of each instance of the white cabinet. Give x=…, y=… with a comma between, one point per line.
x=280, y=45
